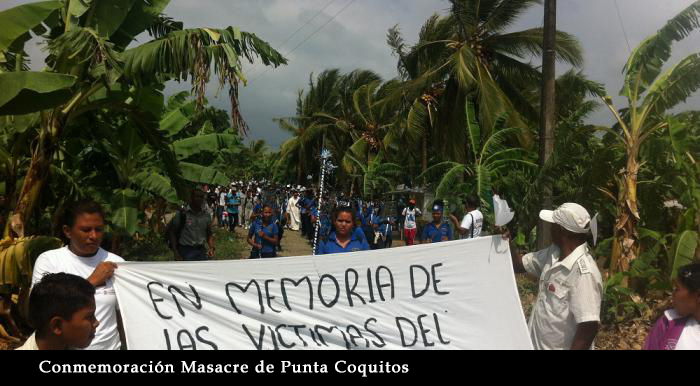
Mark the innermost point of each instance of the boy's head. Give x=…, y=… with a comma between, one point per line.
x=62, y=306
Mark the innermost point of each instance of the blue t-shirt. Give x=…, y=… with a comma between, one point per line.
x=232, y=203
x=359, y=233
x=375, y=219
x=325, y=230
x=385, y=226
x=435, y=233
x=270, y=231
x=332, y=247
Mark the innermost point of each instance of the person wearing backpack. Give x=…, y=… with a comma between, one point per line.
x=190, y=229
x=473, y=221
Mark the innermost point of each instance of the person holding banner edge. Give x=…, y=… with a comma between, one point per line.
x=84, y=228
x=566, y=315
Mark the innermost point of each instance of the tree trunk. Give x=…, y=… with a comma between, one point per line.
x=37, y=174
x=548, y=118
x=627, y=247
x=34, y=181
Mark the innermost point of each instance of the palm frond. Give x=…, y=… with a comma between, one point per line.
x=521, y=44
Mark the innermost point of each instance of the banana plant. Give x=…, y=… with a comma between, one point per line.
x=491, y=159
x=91, y=65
x=650, y=94
x=140, y=169
x=377, y=175
x=685, y=144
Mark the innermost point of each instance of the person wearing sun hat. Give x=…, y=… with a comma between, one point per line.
x=438, y=230
x=566, y=314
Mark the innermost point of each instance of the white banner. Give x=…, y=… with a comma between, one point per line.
x=455, y=295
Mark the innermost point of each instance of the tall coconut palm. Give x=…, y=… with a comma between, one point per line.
x=90, y=67
x=479, y=59
x=650, y=94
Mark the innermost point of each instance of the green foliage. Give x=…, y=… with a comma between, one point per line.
x=17, y=22
x=27, y=92
x=683, y=250
x=125, y=212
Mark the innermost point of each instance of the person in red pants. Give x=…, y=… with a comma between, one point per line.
x=411, y=214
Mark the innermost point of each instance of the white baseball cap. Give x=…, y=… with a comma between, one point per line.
x=572, y=217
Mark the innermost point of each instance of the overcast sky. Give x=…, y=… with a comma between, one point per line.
x=357, y=39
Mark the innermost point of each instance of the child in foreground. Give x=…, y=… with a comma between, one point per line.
x=679, y=329
x=62, y=310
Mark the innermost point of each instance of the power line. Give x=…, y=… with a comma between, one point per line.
x=622, y=24
x=290, y=37
x=310, y=36
x=307, y=23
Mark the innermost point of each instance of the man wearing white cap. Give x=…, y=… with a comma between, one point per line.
x=566, y=314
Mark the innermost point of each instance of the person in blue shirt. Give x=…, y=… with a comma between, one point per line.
x=233, y=202
x=386, y=229
x=437, y=231
x=375, y=222
x=358, y=232
x=343, y=240
x=263, y=236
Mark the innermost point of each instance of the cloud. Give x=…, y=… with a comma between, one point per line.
x=357, y=39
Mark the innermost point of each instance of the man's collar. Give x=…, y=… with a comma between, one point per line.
x=578, y=253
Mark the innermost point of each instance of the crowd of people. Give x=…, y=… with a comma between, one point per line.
x=73, y=302
x=266, y=210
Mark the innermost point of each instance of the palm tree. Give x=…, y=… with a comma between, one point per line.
x=650, y=95
x=90, y=67
x=479, y=60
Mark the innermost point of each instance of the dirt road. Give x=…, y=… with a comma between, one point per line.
x=292, y=244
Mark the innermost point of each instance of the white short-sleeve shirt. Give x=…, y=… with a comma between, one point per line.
x=63, y=260
x=570, y=293
x=411, y=218
x=473, y=219
x=690, y=338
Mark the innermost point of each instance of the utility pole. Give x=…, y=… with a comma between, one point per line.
x=548, y=117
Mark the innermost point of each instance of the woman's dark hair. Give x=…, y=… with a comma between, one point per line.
x=343, y=209
x=689, y=276
x=81, y=207
x=58, y=294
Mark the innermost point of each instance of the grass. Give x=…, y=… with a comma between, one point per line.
x=154, y=249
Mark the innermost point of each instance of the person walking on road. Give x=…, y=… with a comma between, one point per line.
x=411, y=214
x=293, y=212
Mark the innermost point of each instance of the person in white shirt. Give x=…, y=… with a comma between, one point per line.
x=566, y=315
x=473, y=221
x=293, y=212
x=222, y=206
x=679, y=328
x=84, y=227
x=411, y=215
